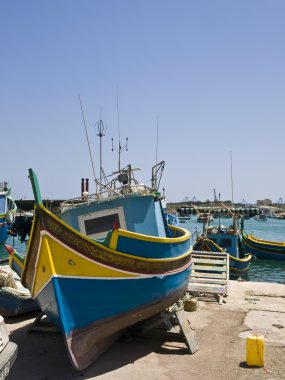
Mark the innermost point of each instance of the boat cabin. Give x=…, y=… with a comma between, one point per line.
x=136, y=213
x=228, y=240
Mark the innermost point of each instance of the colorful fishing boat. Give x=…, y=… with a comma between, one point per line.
x=106, y=263
x=263, y=249
x=221, y=239
x=8, y=209
x=239, y=263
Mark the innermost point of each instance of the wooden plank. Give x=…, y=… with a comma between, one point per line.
x=189, y=334
x=228, y=270
x=42, y=326
x=208, y=254
x=176, y=324
x=207, y=261
x=206, y=280
x=202, y=259
x=211, y=268
x=209, y=280
x=206, y=288
x=209, y=275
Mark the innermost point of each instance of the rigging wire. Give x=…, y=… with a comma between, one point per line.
x=156, y=140
x=232, y=184
x=120, y=147
x=91, y=158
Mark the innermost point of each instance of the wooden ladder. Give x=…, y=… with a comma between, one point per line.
x=210, y=274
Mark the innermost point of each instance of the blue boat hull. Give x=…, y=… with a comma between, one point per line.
x=263, y=250
x=264, y=254
x=91, y=308
x=238, y=268
x=77, y=302
x=3, y=230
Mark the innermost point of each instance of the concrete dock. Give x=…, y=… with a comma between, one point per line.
x=221, y=332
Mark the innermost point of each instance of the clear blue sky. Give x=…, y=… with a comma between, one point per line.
x=211, y=71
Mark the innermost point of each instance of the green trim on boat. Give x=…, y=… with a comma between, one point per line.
x=36, y=188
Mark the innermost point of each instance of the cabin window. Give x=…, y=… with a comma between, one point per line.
x=97, y=224
x=226, y=243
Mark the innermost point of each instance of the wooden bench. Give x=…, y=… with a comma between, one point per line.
x=210, y=274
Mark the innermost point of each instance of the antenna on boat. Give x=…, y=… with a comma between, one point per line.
x=219, y=213
x=120, y=148
x=232, y=179
x=156, y=140
x=91, y=158
x=101, y=134
x=232, y=186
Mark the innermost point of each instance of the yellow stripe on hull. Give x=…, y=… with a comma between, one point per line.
x=184, y=236
x=71, y=263
x=244, y=260
x=55, y=258
x=45, y=267
x=16, y=260
x=266, y=242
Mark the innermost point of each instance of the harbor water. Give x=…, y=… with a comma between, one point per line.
x=272, y=229
x=260, y=270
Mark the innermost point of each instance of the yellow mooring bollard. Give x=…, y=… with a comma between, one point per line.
x=255, y=350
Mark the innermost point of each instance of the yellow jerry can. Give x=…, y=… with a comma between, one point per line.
x=255, y=350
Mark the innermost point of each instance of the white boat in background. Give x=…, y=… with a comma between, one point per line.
x=204, y=218
x=281, y=215
x=184, y=219
x=261, y=217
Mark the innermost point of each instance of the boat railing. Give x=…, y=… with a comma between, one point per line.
x=122, y=185
x=106, y=193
